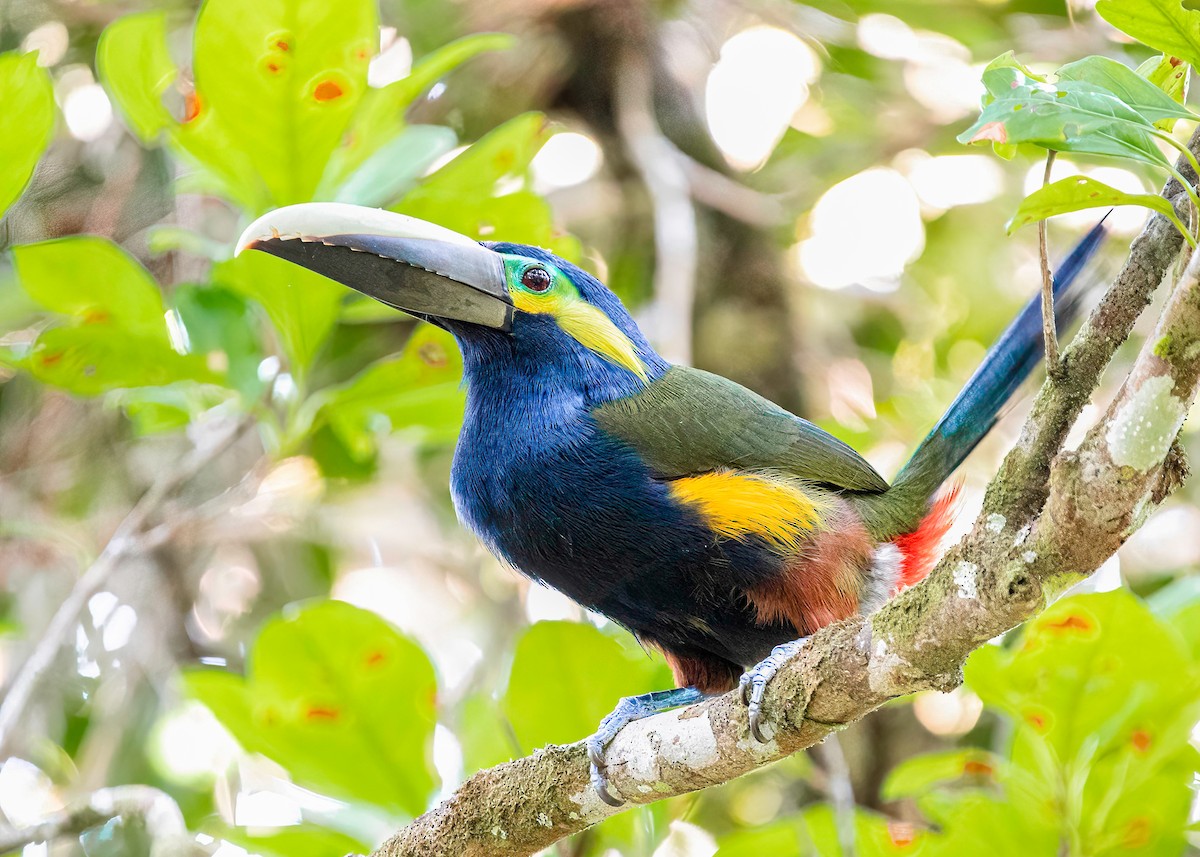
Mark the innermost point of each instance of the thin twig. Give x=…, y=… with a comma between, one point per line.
x=160, y=814
x=663, y=172
x=132, y=536
x=1049, y=332
x=840, y=789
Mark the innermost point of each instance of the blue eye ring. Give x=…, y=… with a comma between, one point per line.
x=537, y=279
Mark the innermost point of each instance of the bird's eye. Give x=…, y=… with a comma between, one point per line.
x=536, y=279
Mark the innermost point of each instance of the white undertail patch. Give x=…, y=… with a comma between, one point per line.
x=883, y=578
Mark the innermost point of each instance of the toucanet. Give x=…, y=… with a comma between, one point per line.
x=714, y=525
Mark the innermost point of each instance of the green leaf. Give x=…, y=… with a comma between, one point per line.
x=137, y=70
x=1073, y=116
x=462, y=195
x=917, y=775
x=1135, y=91
x=1171, y=75
x=380, y=117
x=301, y=305
x=340, y=699
x=1080, y=192
x=1164, y=25
x=94, y=281
x=26, y=122
x=285, y=77
x=419, y=388
x=221, y=325
x=92, y=359
x=566, y=677
x=301, y=840
x=395, y=167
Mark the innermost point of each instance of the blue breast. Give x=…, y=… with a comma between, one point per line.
x=546, y=489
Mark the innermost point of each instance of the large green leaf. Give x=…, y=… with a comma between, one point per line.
x=133, y=62
x=340, y=699
x=814, y=833
x=301, y=305
x=567, y=676
x=95, y=358
x=1104, y=697
x=93, y=280
x=396, y=165
x=302, y=840
x=1150, y=101
x=483, y=192
x=1080, y=192
x=419, y=388
x=1165, y=25
x=26, y=122
x=285, y=77
x=380, y=117
x=1072, y=116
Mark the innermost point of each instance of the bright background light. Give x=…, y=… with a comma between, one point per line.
x=760, y=81
x=863, y=231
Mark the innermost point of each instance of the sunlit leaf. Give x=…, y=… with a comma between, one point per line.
x=26, y=122
x=380, y=116
x=134, y=64
x=482, y=192
x=94, y=281
x=396, y=165
x=92, y=359
x=419, y=388
x=1072, y=116
x=301, y=840
x=301, y=305
x=285, y=77
x=1150, y=101
x=340, y=699
x=566, y=677
x=222, y=326
x=1165, y=25
x=918, y=774
x=1078, y=193
x=1171, y=75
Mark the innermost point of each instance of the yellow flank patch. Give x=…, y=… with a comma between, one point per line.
x=735, y=504
x=589, y=325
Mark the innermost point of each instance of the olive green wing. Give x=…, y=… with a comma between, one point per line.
x=690, y=421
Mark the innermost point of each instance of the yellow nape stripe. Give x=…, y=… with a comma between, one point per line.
x=590, y=327
x=734, y=504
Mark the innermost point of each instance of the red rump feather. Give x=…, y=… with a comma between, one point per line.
x=919, y=549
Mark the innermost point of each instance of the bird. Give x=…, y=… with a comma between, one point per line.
x=717, y=527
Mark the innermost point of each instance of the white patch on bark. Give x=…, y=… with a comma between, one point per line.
x=689, y=742
x=880, y=667
x=544, y=820
x=965, y=579
x=1141, y=432
x=996, y=523
x=1029, y=557
x=1022, y=535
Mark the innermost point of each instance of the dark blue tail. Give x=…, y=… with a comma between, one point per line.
x=1005, y=366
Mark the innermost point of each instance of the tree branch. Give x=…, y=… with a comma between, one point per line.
x=156, y=810
x=1049, y=519
x=133, y=536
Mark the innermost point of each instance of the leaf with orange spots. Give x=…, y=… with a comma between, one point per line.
x=284, y=78
x=340, y=699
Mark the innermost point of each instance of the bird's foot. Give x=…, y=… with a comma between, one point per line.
x=755, y=680
x=629, y=709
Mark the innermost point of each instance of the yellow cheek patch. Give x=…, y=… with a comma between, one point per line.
x=588, y=325
x=738, y=504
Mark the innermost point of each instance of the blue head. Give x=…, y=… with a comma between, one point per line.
x=520, y=314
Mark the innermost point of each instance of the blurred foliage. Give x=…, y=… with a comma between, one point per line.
x=322, y=725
